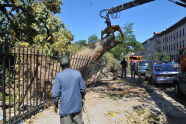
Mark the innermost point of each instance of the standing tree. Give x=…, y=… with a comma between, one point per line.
x=129, y=40
x=33, y=22
x=93, y=39
x=81, y=42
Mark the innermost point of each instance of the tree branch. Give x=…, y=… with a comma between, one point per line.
x=14, y=6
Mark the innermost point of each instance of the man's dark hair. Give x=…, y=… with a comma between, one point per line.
x=65, y=66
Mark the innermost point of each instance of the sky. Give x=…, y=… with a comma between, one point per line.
x=82, y=18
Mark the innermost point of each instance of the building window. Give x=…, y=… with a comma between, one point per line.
x=183, y=32
x=177, y=34
x=183, y=44
x=177, y=45
x=171, y=47
x=180, y=44
x=174, y=35
x=180, y=33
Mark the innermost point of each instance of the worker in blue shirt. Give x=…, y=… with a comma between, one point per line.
x=70, y=87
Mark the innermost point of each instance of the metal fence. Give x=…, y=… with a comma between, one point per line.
x=26, y=76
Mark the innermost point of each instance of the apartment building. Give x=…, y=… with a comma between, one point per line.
x=169, y=42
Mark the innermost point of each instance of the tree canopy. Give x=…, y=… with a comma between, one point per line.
x=92, y=39
x=128, y=42
x=33, y=22
x=81, y=42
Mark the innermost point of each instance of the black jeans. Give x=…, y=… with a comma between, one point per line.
x=123, y=72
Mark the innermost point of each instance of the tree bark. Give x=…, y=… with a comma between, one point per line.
x=96, y=50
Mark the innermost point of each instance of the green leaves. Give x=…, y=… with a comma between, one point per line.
x=93, y=39
x=129, y=40
x=33, y=23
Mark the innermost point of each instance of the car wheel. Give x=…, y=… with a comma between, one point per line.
x=177, y=91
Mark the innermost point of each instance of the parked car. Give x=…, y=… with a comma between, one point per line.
x=141, y=66
x=162, y=73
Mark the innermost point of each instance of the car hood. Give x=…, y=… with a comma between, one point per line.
x=167, y=72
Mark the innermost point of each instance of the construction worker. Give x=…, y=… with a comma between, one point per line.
x=69, y=86
x=123, y=68
x=132, y=69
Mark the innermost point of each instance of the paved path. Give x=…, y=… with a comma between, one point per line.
x=94, y=113
x=101, y=109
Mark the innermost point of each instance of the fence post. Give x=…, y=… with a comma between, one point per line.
x=37, y=66
x=3, y=84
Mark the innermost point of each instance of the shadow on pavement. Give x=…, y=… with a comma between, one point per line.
x=174, y=112
x=97, y=84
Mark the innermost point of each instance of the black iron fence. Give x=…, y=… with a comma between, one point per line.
x=26, y=76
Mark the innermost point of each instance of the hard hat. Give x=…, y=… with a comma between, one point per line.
x=64, y=60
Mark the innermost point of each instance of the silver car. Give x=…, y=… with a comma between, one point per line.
x=164, y=73
x=141, y=66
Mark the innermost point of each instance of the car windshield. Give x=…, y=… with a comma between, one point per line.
x=161, y=68
x=144, y=63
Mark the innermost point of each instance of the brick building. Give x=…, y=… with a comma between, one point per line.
x=169, y=42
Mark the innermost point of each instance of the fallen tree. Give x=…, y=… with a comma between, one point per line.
x=96, y=50
x=91, y=67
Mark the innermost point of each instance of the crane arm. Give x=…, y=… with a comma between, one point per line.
x=127, y=6
x=183, y=3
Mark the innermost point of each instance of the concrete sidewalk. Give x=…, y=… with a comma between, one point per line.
x=94, y=113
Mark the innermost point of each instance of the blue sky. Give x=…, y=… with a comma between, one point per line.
x=82, y=18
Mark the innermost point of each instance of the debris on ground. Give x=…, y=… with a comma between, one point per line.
x=111, y=114
x=144, y=115
x=123, y=102
x=118, y=89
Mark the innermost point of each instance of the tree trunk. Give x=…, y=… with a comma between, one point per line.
x=96, y=50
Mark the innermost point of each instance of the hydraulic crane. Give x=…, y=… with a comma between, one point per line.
x=110, y=29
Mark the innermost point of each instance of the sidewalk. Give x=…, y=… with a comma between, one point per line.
x=109, y=102
x=96, y=111
x=95, y=114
